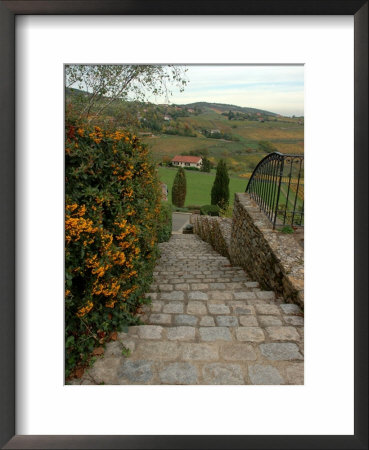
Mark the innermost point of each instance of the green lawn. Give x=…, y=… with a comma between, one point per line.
x=199, y=185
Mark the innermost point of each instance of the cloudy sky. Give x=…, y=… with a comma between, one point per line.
x=278, y=89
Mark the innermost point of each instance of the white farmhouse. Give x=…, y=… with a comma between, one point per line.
x=187, y=161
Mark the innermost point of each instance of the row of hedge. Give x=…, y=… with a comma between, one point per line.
x=210, y=210
x=205, y=210
x=113, y=202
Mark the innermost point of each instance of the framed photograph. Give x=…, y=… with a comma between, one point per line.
x=105, y=346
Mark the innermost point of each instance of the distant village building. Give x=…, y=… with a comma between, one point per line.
x=187, y=161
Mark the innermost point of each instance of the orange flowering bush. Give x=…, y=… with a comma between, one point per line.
x=111, y=230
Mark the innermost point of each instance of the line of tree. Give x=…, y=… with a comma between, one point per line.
x=201, y=151
x=231, y=115
x=218, y=135
x=180, y=129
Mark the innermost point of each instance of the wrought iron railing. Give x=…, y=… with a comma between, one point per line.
x=277, y=186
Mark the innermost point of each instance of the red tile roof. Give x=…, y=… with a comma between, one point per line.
x=188, y=159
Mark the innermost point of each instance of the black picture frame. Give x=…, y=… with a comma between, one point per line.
x=8, y=11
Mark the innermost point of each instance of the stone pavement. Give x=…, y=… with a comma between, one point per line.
x=179, y=220
x=208, y=324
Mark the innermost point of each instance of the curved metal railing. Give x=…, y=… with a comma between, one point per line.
x=277, y=186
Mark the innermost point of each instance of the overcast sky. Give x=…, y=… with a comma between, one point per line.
x=279, y=89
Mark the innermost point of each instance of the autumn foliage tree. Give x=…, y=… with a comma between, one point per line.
x=220, y=189
x=179, y=188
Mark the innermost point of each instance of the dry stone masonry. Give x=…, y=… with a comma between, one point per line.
x=274, y=259
x=214, y=230
x=208, y=323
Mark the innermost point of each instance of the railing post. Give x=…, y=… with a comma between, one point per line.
x=278, y=192
x=297, y=193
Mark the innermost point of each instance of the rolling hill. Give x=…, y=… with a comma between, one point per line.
x=237, y=134
x=223, y=107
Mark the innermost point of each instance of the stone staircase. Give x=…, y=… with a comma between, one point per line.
x=208, y=324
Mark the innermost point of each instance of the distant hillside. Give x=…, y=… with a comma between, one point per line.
x=224, y=108
x=239, y=135
x=204, y=106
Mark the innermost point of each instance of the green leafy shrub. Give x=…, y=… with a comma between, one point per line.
x=287, y=229
x=210, y=210
x=112, y=200
x=165, y=223
x=226, y=212
x=192, y=168
x=193, y=207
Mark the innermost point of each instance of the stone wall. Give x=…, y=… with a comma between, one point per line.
x=214, y=230
x=274, y=259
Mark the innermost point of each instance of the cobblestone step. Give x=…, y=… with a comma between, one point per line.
x=209, y=276
x=228, y=313
x=224, y=328
x=208, y=323
x=200, y=355
x=199, y=285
